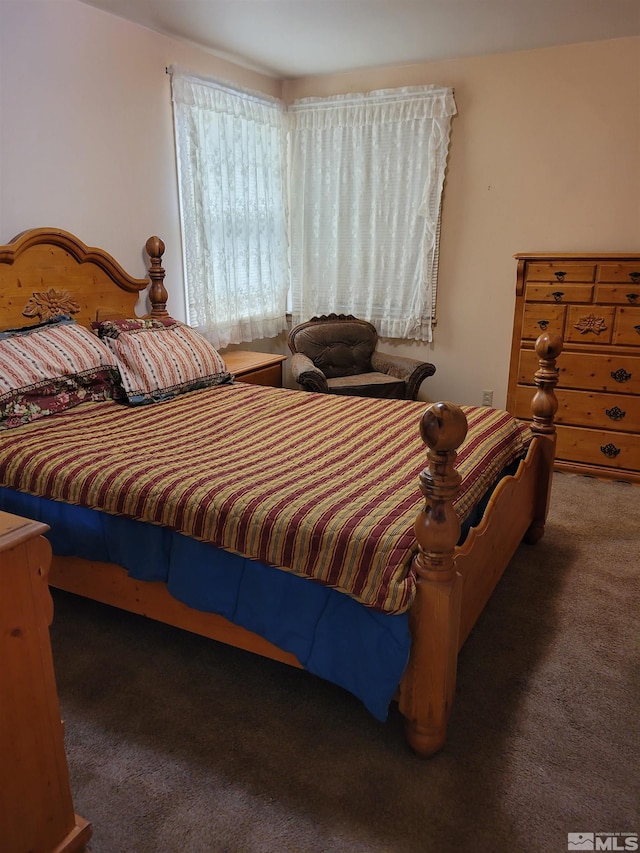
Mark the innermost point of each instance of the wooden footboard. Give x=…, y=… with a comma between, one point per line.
x=454, y=584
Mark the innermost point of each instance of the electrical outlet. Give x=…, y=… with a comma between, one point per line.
x=487, y=398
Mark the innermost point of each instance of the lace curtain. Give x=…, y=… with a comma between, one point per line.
x=366, y=181
x=364, y=178
x=232, y=173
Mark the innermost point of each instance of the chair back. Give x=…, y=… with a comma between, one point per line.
x=337, y=344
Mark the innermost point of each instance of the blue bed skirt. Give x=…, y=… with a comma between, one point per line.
x=332, y=635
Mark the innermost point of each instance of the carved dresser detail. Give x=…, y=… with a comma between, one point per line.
x=593, y=302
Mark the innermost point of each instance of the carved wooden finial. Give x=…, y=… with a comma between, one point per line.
x=443, y=428
x=157, y=292
x=544, y=404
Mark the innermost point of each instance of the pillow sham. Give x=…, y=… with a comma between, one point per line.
x=160, y=358
x=51, y=367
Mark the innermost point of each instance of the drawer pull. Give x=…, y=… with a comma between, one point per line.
x=557, y=295
x=632, y=297
x=634, y=276
x=637, y=328
x=560, y=275
x=543, y=324
x=620, y=375
x=616, y=414
x=610, y=450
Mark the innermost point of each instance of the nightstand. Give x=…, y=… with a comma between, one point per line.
x=256, y=368
x=36, y=809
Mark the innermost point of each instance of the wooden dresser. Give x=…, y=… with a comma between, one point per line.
x=36, y=809
x=593, y=302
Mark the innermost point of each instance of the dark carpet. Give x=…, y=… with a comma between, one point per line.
x=176, y=743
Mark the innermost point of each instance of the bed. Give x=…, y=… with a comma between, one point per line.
x=354, y=553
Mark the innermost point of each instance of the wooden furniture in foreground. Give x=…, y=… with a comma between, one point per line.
x=593, y=303
x=453, y=583
x=36, y=809
x=257, y=368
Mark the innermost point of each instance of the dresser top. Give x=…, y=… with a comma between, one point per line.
x=578, y=256
x=15, y=529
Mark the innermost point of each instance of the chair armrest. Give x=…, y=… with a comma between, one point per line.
x=305, y=373
x=410, y=370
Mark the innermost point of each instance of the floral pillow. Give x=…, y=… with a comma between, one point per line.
x=51, y=367
x=161, y=358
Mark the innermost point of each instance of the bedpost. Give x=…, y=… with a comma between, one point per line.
x=428, y=685
x=157, y=292
x=544, y=406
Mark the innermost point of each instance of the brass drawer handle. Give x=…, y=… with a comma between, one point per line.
x=557, y=295
x=620, y=375
x=610, y=450
x=543, y=324
x=561, y=274
x=637, y=328
x=616, y=414
x=632, y=297
x=634, y=276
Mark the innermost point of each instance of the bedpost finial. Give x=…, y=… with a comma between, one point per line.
x=155, y=247
x=443, y=426
x=157, y=292
x=544, y=404
x=548, y=347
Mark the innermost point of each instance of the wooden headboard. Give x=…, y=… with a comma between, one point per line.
x=45, y=272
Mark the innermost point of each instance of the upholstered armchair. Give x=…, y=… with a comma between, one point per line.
x=336, y=354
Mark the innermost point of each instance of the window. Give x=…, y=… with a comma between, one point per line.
x=366, y=181
x=364, y=178
x=231, y=158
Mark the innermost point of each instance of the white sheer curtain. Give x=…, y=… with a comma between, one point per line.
x=231, y=158
x=366, y=181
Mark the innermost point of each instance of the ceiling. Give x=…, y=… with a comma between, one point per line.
x=294, y=38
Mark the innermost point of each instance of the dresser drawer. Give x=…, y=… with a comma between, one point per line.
x=599, y=447
x=591, y=372
x=627, y=328
x=538, y=318
x=581, y=408
x=560, y=271
x=271, y=376
x=625, y=271
x=590, y=325
x=538, y=291
x=618, y=294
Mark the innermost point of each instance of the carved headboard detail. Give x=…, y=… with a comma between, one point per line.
x=46, y=272
x=45, y=305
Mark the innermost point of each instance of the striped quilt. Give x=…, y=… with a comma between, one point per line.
x=320, y=485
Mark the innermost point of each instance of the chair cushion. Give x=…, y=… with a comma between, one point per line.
x=338, y=349
x=368, y=385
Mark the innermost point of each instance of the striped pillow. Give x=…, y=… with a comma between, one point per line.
x=161, y=358
x=51, y=367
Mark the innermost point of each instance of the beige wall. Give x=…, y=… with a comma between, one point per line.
x=545, y=155
x=86, y=133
